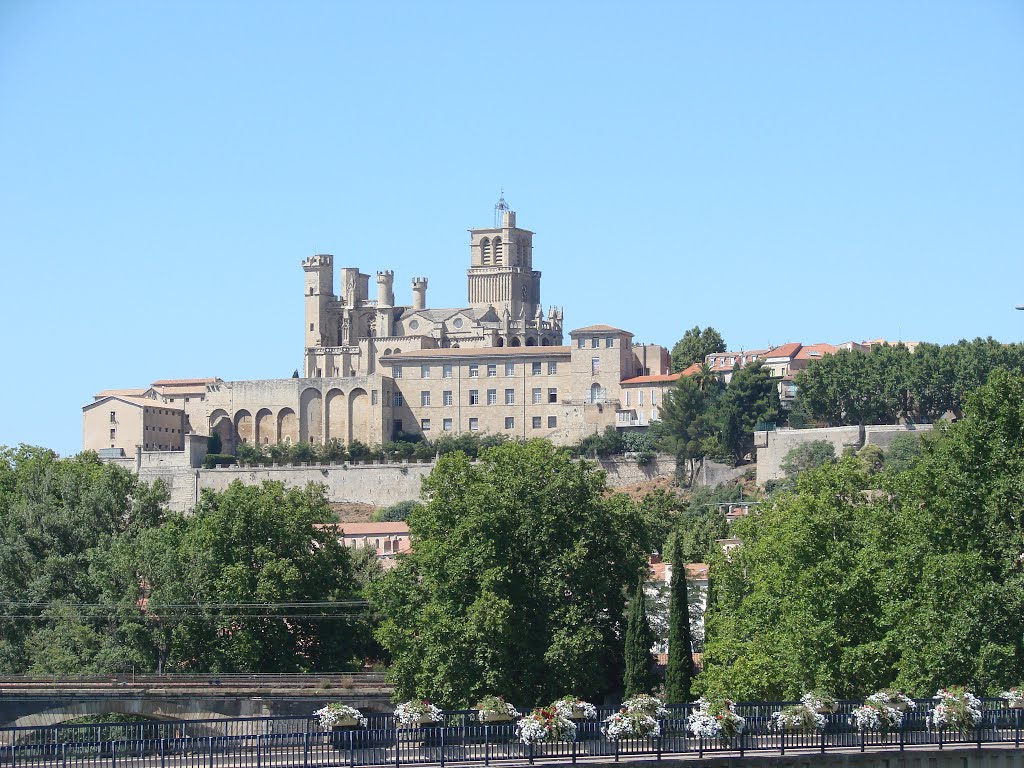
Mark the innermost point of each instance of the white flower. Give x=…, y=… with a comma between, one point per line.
x=957, y=708
x=546, y=724
x=334, y=713
x=715, y=719
x=627, y=723
x=416, y=712
x=567, y=704
x=1013, y=694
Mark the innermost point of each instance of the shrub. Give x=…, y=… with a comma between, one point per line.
x=213, y=459
x=808, y=456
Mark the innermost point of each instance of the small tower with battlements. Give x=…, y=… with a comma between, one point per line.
x=419, y=293
x=319, y=270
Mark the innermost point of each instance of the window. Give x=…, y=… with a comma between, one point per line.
x=629, y=397
x=581, y=342
x=609, y=342
x=425, y=397
x=552, y=367
x=113, y=433
x=510, y=369
x=424, y=371
x=398, y=425
x=425, y=425
x=373, y=397
x=492, y=369
x=396, y=371
x=639, y=397
x=446, y=370
x=510, y=422
x=537, y=396
x=474, y=397
x=474, y=424
x=113, y=417
x=474, y=370
x=186, y=399
x=552, y=422
x=654, y=397
x=447, y=425
x=536, y=422
x=535, y=369
x=311, y=326
x=510, y=397
x=397, y=401
x=595, y=365
x=552, y=395
x=446, y=397
x=595, y=342
x=492, y=397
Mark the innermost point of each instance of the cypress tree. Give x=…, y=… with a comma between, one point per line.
x=679, y=672
x=639, y=639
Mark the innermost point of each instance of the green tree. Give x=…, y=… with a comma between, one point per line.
x=684, y=427
x=807, y=456
x=516, y=583
x=751, y=397
x=639, y=639
x=903, y=452
x=679, y=670
x=695, y=345
x=398, y=512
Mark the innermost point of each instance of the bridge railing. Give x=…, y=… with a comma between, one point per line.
x=294, y=742
x=328, y=679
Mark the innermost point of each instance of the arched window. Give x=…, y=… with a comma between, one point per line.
x=501, y=342
x=596, y=393
x=485, y=251
x=531, y=342
x=497, y=252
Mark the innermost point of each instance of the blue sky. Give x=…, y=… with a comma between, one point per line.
x=782, y=171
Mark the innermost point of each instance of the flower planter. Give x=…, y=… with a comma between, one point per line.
x=825, y=710
x=344, y=722
x=1016, y=704
x=899, y=706
x=495, y=717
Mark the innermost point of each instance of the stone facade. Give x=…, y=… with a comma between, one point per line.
x=374, y=370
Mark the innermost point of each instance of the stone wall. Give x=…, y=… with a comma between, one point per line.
x=772, y=447
x=623, y=470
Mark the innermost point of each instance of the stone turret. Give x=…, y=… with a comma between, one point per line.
x=419, y=293
x=385, y=288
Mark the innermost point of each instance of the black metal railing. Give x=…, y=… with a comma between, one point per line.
x=299, y=742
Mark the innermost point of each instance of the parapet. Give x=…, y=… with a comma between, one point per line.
x=318, y=261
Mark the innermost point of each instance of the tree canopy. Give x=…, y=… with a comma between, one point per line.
x=695, y=345
x=911, y=576
x=517, y=582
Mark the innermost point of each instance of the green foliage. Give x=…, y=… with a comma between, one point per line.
x=890, y=384
x=213, y=445
x=751, y=397
x=517, y=581
x=807, y=456
x=872, y=459
x=605, y=443
x=94, y=547
x=685, y=428
x=679, y=670
x=695, y=345
x=639, y=639
x=397, y=513
x=903, y=452
x=702, y=523
x=212, y=460
x=920, y=587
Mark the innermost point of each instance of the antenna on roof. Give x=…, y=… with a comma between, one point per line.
x=499, y=208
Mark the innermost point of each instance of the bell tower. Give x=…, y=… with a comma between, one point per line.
x=501, y=270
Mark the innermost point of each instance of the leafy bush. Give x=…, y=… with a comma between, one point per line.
x=213, y=459
x=808, y=456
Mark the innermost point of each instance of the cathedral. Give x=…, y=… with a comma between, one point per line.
x=374, y=369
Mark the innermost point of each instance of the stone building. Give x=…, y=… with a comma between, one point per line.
x=374, y=369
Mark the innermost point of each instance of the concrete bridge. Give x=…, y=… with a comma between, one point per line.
x=37, y=701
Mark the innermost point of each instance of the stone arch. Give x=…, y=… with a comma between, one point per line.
x=221, y=425
x=531, y=342
x=335, y=412
x=244, y=426
x=485, y=252
x=266, y=430
x=596, y=393
x=545, y=342
x=287, y=426
x=359, y=416
x=387, y=351
x=498, y=257
x=148, y=708
x=311, y=416
x=515, y=342
x=501, y=342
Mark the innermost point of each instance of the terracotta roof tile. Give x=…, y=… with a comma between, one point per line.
x=786, y=350
x=364, y=529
